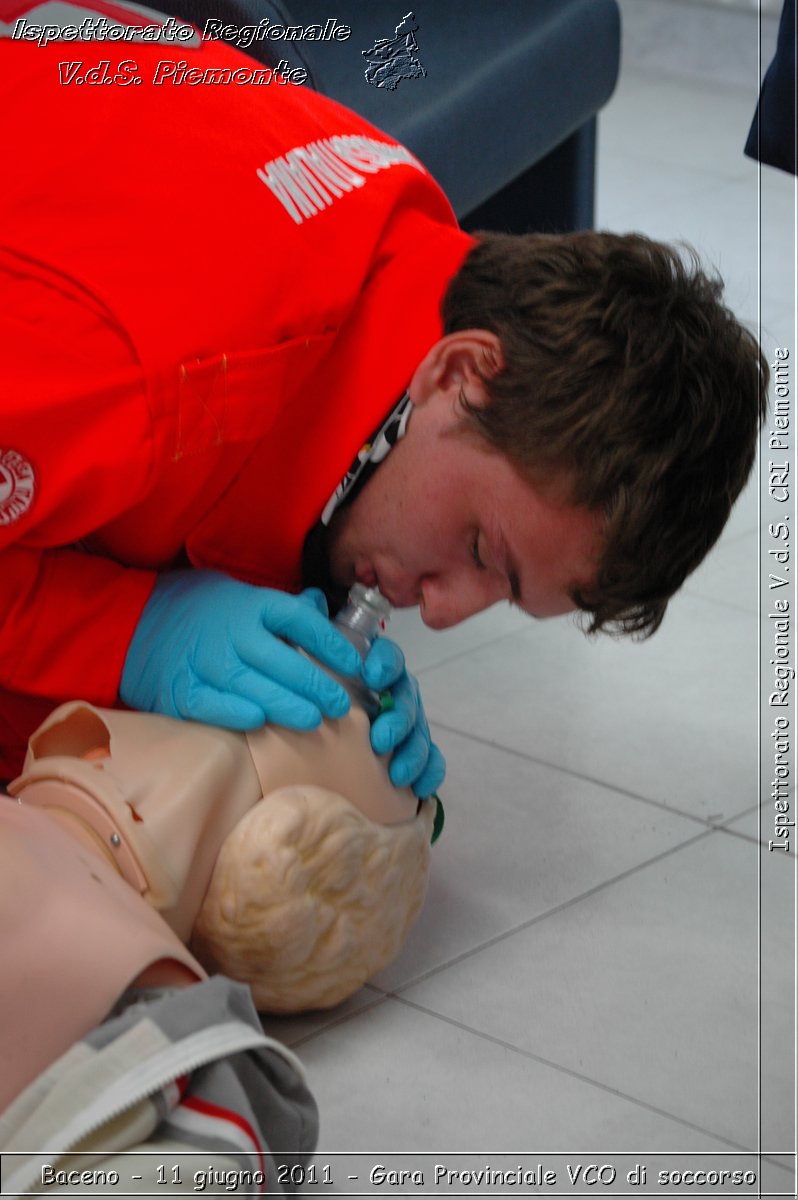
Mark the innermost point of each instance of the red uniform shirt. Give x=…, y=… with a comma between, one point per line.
x=210, y=295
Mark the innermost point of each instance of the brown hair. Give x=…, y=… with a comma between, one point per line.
x=625, y=371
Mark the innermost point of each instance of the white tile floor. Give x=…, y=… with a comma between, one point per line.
x=584, y=977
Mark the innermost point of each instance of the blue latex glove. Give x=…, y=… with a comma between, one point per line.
x=211, y=649
x=417, y=762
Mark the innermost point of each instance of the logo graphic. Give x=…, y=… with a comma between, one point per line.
x=393, y=59
x=17, y=486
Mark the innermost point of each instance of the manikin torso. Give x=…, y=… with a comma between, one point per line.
x=127, y=834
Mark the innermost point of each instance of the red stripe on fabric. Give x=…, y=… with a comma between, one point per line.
x=208, y=1109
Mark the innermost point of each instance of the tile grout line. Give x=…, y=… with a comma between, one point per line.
x=547, y=1062
x=378, y=999
x=500, y=637
x=381, y=995
x=549, y=912
x=457, y=654
x=609, y=787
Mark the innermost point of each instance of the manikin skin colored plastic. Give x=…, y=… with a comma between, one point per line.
x=290, y=858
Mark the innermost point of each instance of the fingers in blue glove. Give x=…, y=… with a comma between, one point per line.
x=253, y=699
x=409, y=760
x=299, y=620
x=392, y=728
x=316, y=599
x=433, y=774
x=201, y=702
x=416, y=761
x=384, y=665
x=273, y=673
x=212, y=648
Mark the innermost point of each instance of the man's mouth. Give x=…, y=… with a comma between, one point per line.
x=397, y=597
x=367, y=576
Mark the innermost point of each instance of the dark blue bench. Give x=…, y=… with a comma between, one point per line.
x=505, y=118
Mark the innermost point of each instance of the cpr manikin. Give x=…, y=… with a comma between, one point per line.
x=137, y=848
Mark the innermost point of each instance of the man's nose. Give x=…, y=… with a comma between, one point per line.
x=447, y=602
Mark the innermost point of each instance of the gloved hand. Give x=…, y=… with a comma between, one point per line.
x=417, y=762
x=211, y=649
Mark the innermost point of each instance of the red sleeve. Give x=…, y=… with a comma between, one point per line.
x=76, y=451
x=67, y=619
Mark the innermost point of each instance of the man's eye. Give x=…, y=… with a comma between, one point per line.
x=478, y=563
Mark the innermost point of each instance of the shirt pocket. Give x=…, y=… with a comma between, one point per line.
x=229, y=398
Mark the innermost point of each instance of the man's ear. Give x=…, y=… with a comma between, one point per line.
x=458, y=362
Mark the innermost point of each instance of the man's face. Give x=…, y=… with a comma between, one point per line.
x=448, y=524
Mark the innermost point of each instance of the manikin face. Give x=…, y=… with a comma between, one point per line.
x=447, y=524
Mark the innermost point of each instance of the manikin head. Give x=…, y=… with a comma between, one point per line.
x=577, y=440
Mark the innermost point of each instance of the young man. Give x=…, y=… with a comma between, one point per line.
x=248, y=351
